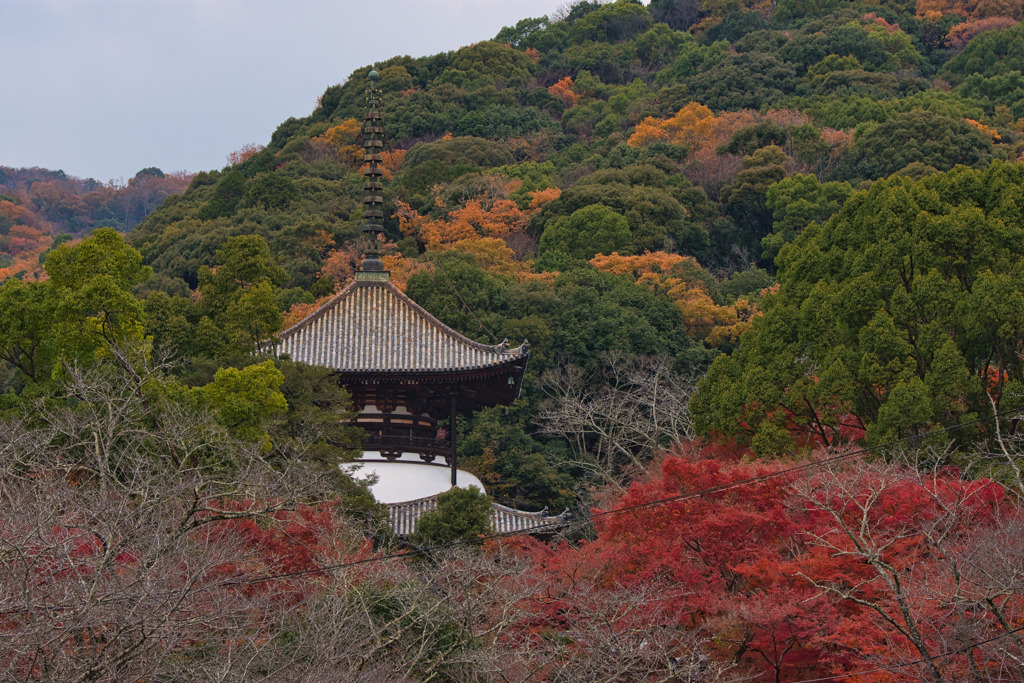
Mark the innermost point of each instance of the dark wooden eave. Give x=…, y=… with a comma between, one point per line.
x=385, y=346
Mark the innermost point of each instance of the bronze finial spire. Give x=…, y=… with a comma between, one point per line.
x=372, y=268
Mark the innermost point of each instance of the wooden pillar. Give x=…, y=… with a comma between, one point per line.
x=452, y=431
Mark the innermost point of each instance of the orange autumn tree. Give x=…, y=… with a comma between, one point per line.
x=244, y=153
x=474, y=218
x=541, y=197
x=491, y=229
x=563, y=90
x=300, y=310
x=25, y=240
x=702, y=132
x=398, y=265
x=958, y=36
x=391, y=160
x=991, y=132
x=696, y=127
x=683, y=280
x=340, y=265
x=934, y=10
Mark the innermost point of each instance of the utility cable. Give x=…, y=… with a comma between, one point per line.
x=584, y=519
x=941, y=655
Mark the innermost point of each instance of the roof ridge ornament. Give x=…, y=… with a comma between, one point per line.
x=372, y=268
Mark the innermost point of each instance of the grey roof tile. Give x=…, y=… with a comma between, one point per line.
x=374, y=327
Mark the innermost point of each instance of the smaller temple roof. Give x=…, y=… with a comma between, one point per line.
x=372, y=327
x=504, y=520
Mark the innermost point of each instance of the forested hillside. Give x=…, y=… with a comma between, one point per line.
x=626, y=180
x=40, y=209
x=770, y=261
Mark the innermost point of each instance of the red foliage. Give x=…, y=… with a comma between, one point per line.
x=791, y=573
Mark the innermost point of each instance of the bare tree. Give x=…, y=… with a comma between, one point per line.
x=129, y=551
x=112, y=564
x=595, y=632
x=941, y=564
x=615, y=418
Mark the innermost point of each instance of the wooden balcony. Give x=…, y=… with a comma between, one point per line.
x=395, y=433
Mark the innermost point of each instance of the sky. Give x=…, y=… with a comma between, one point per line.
x=104, y=88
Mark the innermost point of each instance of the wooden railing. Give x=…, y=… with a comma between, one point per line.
x=397, y=444
x=395, y=433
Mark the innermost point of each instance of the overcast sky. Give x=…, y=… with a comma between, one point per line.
x=104, y=88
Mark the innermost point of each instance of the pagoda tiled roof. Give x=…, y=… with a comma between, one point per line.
x=373, y=327
x=403, y=518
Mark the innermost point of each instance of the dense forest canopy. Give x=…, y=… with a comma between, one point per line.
x=744, y=240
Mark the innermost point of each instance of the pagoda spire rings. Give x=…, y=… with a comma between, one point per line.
x=372, y=267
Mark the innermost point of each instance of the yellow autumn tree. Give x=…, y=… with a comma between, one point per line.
x=684, y=127
x=682, y=279
x=340, y=141
x=494, y=256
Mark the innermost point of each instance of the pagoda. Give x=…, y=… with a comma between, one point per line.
x=405, y=369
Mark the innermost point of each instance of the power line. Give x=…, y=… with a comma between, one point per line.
x=941, y=655
x=416, y=552
x=791, y=470
x=584, y=519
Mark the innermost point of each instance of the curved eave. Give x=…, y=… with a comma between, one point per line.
x=373, y=327
x=476, y=370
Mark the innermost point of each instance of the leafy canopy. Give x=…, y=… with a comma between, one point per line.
x=895, y=316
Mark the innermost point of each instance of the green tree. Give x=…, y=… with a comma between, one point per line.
x=460, y=293
x=895, y=316
x=989, y=54
x=515, y=467
x=790, y=12
x=1006, y=89
x=595, y=312
x=797, y=201
x=594, y=229
x=744, y=81
x=680, y=15
x=462, y=150
x=658, y=47
x=461, y=515
x=239, y=295
x=519, y=36
x=744, y=197
x=316, y=428
x=226, y=196
x=500, y=122
x=85, y=308
x=614, y=22
x=735, y=23
x=271, y=191
x=916, y=136
x=488, y=63
x=245, y=399
x=752, y=138
x=28, y=322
